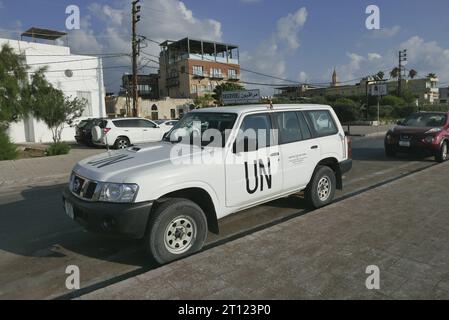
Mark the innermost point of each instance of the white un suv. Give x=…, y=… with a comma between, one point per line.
x=121, y=133
x=213, y=163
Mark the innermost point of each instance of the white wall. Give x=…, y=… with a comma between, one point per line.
x=81, y=83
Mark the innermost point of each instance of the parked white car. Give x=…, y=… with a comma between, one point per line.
x=173, y=192
x=166, y=123
x=121, y=133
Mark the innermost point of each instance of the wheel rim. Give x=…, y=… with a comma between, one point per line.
x=444, y=151
x=180, y=234
x=123, y=144
x=324, y=188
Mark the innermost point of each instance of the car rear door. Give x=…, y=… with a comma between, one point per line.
x=129, y=128
x=324, y=128
x=299, y=150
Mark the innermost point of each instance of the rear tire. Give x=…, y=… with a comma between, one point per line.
x=321, y=189
x=122, y=143
x=177, y=228
x=442, y=155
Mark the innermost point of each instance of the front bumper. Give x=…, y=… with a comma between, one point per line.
x=416, y=145
x=121, y=219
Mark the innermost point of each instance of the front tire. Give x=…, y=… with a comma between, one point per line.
x=442, y=154
x=321, y=189
x=177, y=228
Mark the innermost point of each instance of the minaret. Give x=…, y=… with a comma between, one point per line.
x=334, y=79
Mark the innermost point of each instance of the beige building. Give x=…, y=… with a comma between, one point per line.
x=164, y=109
x=426, y=89
x=190, y=68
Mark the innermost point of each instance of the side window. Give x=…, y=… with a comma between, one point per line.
x=288, y=126
x=256, y=128
x=125, y=123
x=306, y=134
x=145, y=124
x=321, y=122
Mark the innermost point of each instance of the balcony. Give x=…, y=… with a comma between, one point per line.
x=234, y=77
x=199, y=75
x=217, y=76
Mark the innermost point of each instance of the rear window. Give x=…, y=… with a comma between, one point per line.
x=321, y=122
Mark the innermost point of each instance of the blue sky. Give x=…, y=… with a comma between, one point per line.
x=292, y=39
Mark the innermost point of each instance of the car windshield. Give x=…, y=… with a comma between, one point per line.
x=83, y=123
x=207, y=126
x=425, y=120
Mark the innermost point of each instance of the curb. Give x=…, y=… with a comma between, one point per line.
x=35, y=180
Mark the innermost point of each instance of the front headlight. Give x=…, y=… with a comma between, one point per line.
x=118, y=192
x=434, y=130
x=429, y=139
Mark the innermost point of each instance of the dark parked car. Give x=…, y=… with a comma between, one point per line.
x=83, y=131
x=422, y=132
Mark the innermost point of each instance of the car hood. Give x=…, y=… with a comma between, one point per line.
x=114, y=166
x=410, y=130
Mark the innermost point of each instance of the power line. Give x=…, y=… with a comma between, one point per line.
x=75, y=60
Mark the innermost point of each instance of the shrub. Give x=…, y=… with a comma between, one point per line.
x=57, y=149
x=8, y=150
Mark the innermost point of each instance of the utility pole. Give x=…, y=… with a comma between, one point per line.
x=135, y=53
x=402, y=58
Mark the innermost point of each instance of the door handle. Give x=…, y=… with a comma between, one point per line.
x=314, y=147
x=276, y=154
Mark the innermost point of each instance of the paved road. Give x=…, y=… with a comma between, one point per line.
x=37, y=241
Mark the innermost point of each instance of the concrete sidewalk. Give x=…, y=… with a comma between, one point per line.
x=402, y=227
x=36, y=170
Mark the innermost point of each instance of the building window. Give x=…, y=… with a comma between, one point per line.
x=172, y=114
x=232, y=74
x=198, y=71
x=194, y=89
x=87, y=96
x=216, y=73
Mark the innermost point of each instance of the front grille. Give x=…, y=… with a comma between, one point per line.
x=83, y=188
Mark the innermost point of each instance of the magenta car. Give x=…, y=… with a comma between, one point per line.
x=422, y=132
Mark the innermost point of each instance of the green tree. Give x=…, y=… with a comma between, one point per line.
x=51, y=106
x=226, y=86
x=206, y=100
x=392, y=101
x=395, y=73
x=13, y=81
x=412, y=73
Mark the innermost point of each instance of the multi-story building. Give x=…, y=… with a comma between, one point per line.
x=147, y=85
x=78, y=76
x=190, y=68
x=444, y=95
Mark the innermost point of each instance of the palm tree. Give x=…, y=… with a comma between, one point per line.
x=412, y=73
x=395, y=73
x=431, y=75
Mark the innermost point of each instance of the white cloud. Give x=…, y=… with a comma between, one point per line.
x=270, y=55
x=374, y=56
x=288, y=27
x=427, y=57
x=303, y=77
x=160, y=20
x=385, y=32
